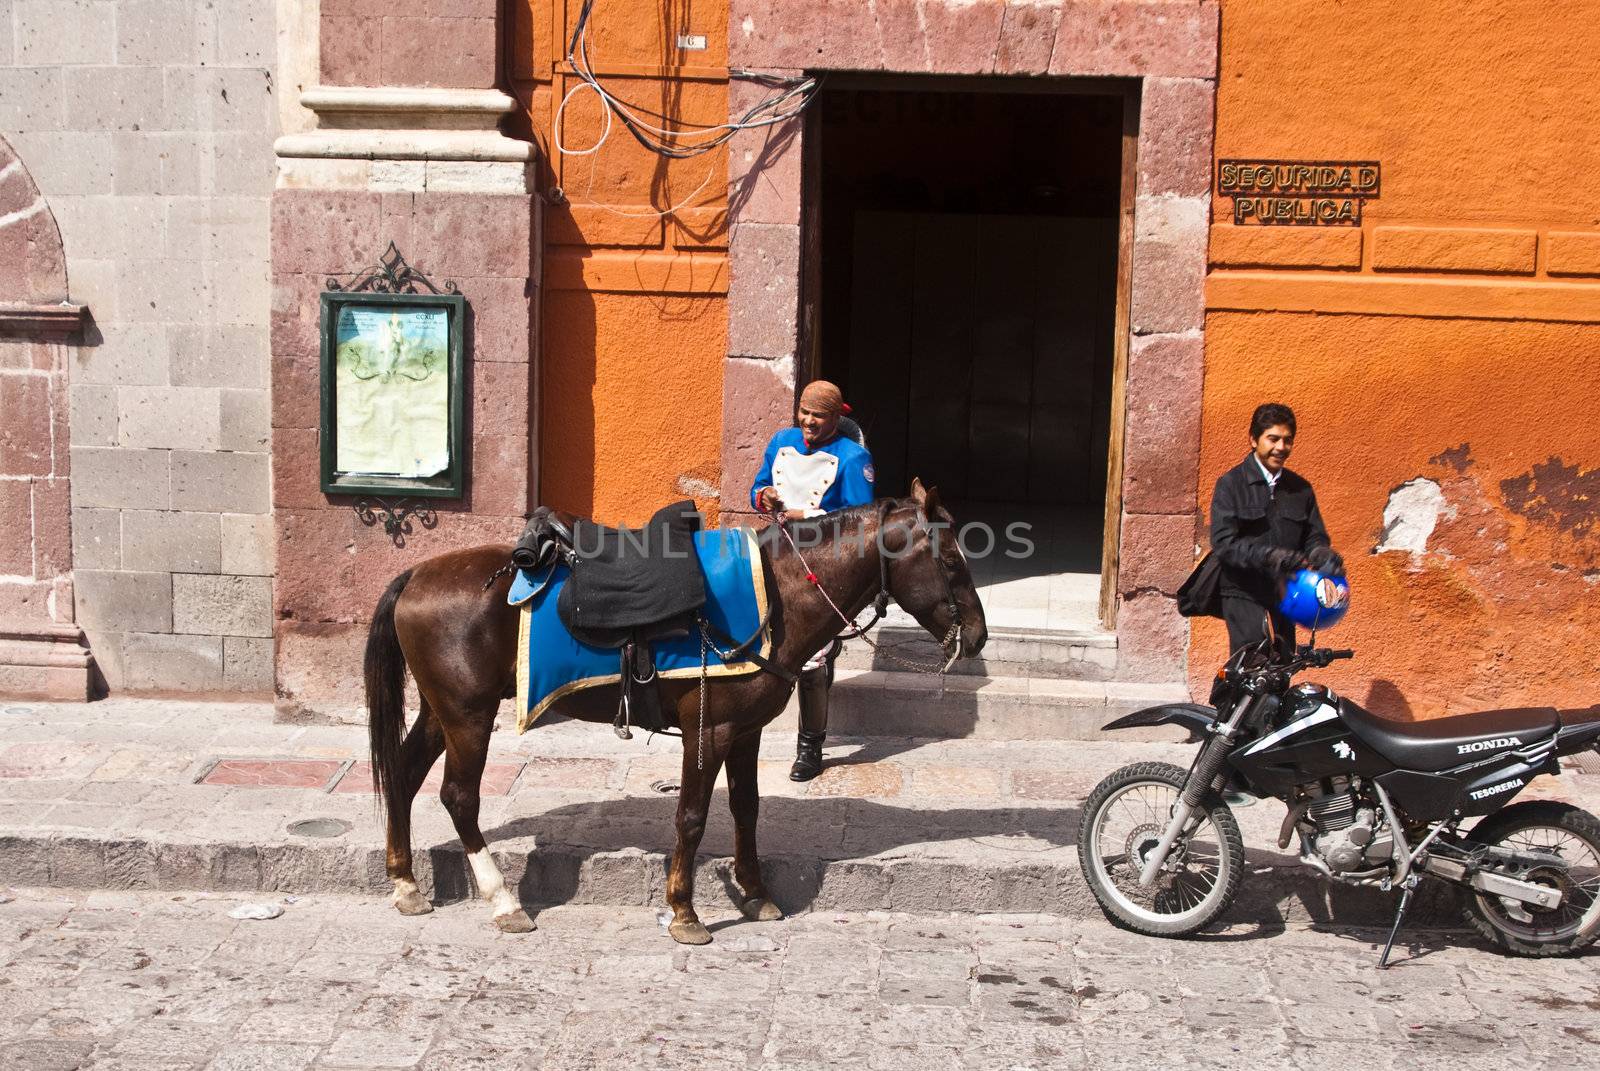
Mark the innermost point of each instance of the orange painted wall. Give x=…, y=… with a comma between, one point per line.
x=634, y=329
x=1426, y=353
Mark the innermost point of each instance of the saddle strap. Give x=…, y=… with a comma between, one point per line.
x=639, y=701
x=761, y=661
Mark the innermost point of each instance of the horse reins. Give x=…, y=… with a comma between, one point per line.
x=880, y=602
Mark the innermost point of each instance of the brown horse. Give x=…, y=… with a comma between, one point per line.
x=448, y=622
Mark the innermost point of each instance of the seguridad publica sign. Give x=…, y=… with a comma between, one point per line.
x=1294, y=193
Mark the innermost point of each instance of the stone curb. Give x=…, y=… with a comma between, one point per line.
x=1271, y=894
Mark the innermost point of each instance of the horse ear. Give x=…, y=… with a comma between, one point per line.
x=917, y=492
x=930, y=504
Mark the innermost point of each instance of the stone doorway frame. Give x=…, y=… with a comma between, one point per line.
x=1170, y=47
x=43, y=654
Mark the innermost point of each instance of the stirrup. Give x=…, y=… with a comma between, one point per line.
x=619, y=724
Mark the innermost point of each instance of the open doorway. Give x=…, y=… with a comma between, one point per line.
x=962, y=287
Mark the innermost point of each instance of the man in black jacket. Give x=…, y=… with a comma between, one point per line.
x=1264, y=525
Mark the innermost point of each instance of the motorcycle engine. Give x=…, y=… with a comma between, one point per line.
x=1347, y=833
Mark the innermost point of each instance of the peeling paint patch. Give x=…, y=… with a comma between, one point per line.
x=1556, y=494
x=1457, y=457
x=695, y=487
x=1410, y=516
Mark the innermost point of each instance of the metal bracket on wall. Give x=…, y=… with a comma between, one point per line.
x=396, y=516
x=391, y=275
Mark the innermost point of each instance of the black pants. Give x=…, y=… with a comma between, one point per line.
x=814, y=686
x=1246, y=620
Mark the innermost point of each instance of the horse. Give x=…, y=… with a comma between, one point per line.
x=447, y=621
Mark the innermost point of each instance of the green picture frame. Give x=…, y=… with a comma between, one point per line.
x=398, y=402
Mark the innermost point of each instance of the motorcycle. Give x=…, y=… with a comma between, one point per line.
x=1373, y=802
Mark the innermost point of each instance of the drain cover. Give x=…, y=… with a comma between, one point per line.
x=320, y=827
x=667, y=786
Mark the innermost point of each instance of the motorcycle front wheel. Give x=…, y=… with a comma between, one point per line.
x=1123, y=821
x=1550, y=828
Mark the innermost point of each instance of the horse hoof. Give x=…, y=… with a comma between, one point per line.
x=412, y=903
x=760, y=909
x=689, y=933
x=515, y=922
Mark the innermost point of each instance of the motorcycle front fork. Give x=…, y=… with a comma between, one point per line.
x=1175, y=829
x=1209, y=763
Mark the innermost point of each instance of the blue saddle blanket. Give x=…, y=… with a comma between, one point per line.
x=552, y=664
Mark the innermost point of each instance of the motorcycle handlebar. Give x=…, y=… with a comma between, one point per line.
x=1305, y=658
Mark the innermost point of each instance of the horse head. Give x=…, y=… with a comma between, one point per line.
x=927, y=572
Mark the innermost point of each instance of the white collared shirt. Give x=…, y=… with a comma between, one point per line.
x=1272, y=477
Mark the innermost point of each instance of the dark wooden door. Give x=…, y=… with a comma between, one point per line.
x=981, y=353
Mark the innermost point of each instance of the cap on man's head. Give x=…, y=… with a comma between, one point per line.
x=822, y=397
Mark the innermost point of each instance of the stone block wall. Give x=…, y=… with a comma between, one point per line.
x=406, y=150
x=383, y=43
x=758, y=385
x=148, y=126
x=332, y=566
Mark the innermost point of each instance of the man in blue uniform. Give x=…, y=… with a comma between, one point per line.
x=810, y=470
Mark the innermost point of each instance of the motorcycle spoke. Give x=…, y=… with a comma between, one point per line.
x=1125, y=828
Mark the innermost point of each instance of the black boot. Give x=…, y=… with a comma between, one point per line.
x=813, y=723
x=808, y=756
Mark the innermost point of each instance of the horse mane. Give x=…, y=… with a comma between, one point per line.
x=840, y=524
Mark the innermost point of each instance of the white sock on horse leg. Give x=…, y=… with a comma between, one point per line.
x=404, y=887
x=491, y=883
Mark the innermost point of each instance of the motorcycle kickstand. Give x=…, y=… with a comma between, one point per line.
x=1399, y=917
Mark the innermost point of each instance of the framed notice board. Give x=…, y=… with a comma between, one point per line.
x=393, y=394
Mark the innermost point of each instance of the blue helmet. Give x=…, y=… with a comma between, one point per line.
x=1312, y=600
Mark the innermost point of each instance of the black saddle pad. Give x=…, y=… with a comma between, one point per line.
x=625, y=580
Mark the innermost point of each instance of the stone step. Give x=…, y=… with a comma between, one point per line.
x=879, y=703
x=1068, y=654
x=159, y=794
x=1000, y=866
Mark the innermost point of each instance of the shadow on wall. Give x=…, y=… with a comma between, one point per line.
x=1385, y=699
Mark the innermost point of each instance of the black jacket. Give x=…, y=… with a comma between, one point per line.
x=1248, y=519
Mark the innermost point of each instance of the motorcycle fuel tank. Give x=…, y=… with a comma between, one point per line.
x=1310, y=744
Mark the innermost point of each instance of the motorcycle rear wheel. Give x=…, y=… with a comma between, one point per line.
x=1543, y=826
x=1123, y=820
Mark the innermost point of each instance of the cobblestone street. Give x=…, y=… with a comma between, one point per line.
x=169, y=980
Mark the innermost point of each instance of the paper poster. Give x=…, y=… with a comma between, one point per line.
x=392, y=391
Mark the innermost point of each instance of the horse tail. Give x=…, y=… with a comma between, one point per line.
x=385, y=667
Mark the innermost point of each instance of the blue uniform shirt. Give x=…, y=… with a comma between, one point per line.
x=836, y=475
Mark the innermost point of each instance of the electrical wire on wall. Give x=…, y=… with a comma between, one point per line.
x=682, y=139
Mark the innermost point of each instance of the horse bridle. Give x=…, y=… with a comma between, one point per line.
x=880, y=602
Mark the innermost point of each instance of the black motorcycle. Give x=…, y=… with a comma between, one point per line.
x=1373, y=802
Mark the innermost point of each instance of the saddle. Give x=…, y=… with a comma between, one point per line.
x=626, y=588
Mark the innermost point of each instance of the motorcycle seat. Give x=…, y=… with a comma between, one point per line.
x=1443, y=743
